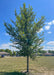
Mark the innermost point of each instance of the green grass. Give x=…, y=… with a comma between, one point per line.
x=17, y=65
x=47, y=62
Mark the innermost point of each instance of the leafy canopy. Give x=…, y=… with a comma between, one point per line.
x=25, y=32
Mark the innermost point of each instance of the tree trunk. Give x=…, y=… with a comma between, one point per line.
x=27, y=63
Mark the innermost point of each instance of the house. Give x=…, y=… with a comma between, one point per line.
x=48, y=54
x=2, y=54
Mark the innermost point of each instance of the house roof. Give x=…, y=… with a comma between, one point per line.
x=1, y=53
x=47, y=53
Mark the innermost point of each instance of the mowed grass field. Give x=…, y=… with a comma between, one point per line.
x=16, y=65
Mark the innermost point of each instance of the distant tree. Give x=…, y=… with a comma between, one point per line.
x=14, y=53
x=50, y=51
x=2, y=50
x=17, y=53
x=6, y=50
x=53, y=52
x=25, y=33
x=9, y=51
x=43, y=51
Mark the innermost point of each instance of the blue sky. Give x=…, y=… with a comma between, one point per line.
x=41, y=7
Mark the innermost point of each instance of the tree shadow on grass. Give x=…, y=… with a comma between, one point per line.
x=12, y=73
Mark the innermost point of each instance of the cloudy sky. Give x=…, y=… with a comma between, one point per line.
x=41, y=7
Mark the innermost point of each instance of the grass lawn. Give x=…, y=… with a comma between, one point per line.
x=16, y=65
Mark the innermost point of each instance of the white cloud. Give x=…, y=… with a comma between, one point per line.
x=49, y=24
x=49, y=32
x=53, y=22
x=7, y=46
x=47, y=27
x=48, y=48
x=40, y=30
x=50, y=43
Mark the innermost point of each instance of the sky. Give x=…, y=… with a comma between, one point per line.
x=40, y=7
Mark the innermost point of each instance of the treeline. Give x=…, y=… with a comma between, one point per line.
x=17, y=53
x=12, y=53
x=41, y=51
x=50, y=51
x=44, y=51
